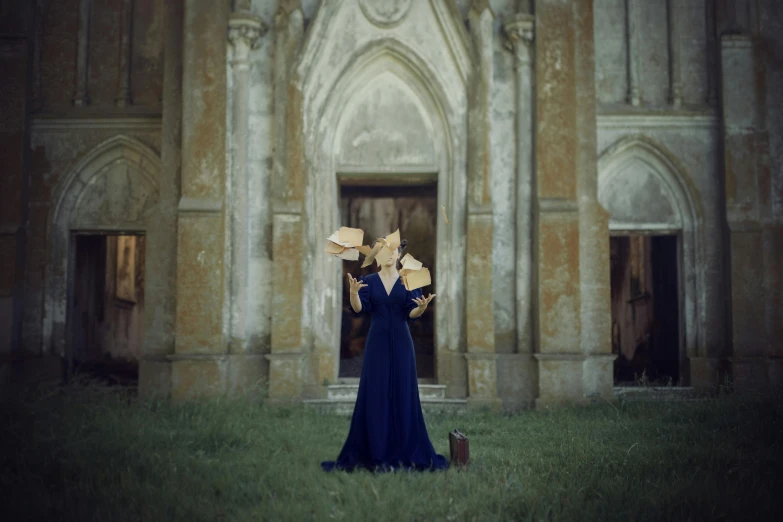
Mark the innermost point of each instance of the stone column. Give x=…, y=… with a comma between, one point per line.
x=244, y=30
x=675, y=87
x=520, y=33
x=711, y=61
x=288, y=350
x=160, y=260
x=572, y=238
x=632, y=39
x=748, y=193
x=199, y=364
x=123, y=85
x=595, y=306
x=480, y=327
x=80, y=96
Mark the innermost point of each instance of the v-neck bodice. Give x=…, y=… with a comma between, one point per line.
x=394, y=284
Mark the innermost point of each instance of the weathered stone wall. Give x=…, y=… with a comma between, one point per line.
x=15, y=58
x=238, y=137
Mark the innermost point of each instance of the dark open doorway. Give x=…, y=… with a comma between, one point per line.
x=106, y=315
x=645, y=309
x=380, y=210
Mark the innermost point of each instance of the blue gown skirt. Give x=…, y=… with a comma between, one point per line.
x=387, y=428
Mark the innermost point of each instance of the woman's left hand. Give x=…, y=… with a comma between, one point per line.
x=423, y=301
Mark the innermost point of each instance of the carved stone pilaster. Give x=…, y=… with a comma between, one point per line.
x=80, y=96
x=632, y=9
x=519, y=39
x=520, y=35
x=480, y=327
x=675, y=83
x=244, y=32
x=123, y=85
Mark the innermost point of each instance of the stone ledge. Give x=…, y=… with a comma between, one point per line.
x=192, y=205
x=559, y=356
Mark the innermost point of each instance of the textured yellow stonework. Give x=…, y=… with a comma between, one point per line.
x=559, y=323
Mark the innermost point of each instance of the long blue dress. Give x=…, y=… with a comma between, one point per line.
x=387, y=428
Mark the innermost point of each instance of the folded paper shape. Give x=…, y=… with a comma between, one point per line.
x=353, y=236
x=383, y=255
x=410, y=263
x=393, y=240
x=349, y=254
x=344, y=243
x=417, y=279
x=370, y=257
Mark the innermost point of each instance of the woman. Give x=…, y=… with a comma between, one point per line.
x=387, y=428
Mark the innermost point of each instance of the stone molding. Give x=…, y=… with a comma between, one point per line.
x=194, y=205
x=560, y=356
x=557, y=205
x=385, y=13
x=72, y=124
x=736, y=41
x=631, y=121
x=520, y=35
x=244, y=33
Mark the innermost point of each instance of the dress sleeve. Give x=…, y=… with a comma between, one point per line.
x=364, y=298
x=410, y=304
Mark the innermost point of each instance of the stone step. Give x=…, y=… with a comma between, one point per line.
x=345, y=406
x=351, y=391
x=656, y=393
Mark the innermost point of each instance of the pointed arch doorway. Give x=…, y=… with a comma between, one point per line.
x=657, y=289
x=379, y=205
x=387, y=121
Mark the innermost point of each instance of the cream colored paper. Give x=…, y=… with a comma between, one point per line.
x=369, y=258
x=349, y=254
x=333, y=248
x=383, y=255
x=393, y=239
x=352, y=236
x=417, y=279
x=345, y=243
x=410, y=263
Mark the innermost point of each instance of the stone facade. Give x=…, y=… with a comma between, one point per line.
x=221, y=130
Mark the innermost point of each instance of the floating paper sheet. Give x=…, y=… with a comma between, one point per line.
x=417, y=279
x=349, y=254
x=370, y=257
x=393, y=240
x=344, y=242
x=383, y=255
x=354, y=236
x=409, y=263
x=414, y=274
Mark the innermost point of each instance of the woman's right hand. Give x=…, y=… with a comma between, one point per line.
x=355, y=285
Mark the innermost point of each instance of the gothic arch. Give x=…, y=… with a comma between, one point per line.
x=444, y=120
x=638, y=174
x=113, y=188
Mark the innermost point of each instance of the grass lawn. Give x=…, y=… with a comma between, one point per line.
x=92, y=454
